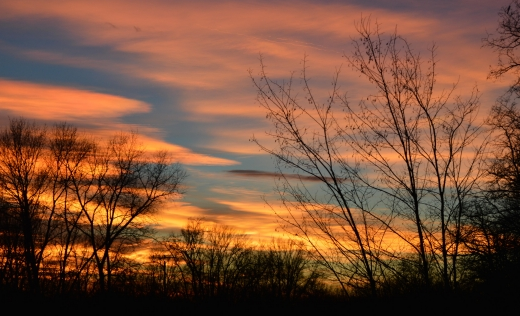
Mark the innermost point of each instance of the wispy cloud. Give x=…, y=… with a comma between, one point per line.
x=55, y=103
x=257, y=173
x=199, y=53
x=99, y=113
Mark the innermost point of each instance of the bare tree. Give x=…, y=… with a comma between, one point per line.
x=68, y=151
x=35, y=168
x=415, y=155
x=209, y=259
x=492, y=232
x=335, y=220
x=23, y=182
x=12, y=265
x=290, y=271
x=506, y=42
x=117, y=188
x=435, y=136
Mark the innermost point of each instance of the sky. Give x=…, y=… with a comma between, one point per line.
x=177, y=72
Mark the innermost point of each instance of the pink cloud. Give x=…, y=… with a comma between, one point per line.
x=101, y=113
x=205, y=48
x=59, y=103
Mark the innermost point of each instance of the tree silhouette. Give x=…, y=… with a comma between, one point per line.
x=116, y=188
x=506, y=42
x=23, y=182
x=407, y=150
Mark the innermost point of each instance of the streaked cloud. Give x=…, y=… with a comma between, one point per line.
x=97, y=112
x=64, y=104
x=177, y=72
x=257, y=173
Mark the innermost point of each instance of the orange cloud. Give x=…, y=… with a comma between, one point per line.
x=100, y=111
x=205, y=48
x=210, y=49
x=63, y=104
x=185, y=155
x=257, y=221
x=174, y=215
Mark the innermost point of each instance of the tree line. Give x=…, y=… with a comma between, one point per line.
x=73, y=210
x=72, y=207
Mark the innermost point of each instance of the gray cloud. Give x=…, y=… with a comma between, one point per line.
x=257, y=173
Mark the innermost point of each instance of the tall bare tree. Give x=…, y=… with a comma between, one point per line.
x=492, y=231
x=68, y=152
x=415, y=155
x=335, y=220
x=426, y=145
x=23, y=181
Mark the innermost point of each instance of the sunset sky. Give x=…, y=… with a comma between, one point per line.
x=177, y=71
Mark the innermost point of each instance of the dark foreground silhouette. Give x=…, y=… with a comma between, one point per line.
x=408, y=304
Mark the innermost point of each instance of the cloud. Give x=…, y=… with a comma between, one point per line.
x=97, y=113
x=252, y=218
x=202, y=51
x=206, y=52
x=256, y=173
x=255, y=219
x=55, y=103
x=185, y=155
